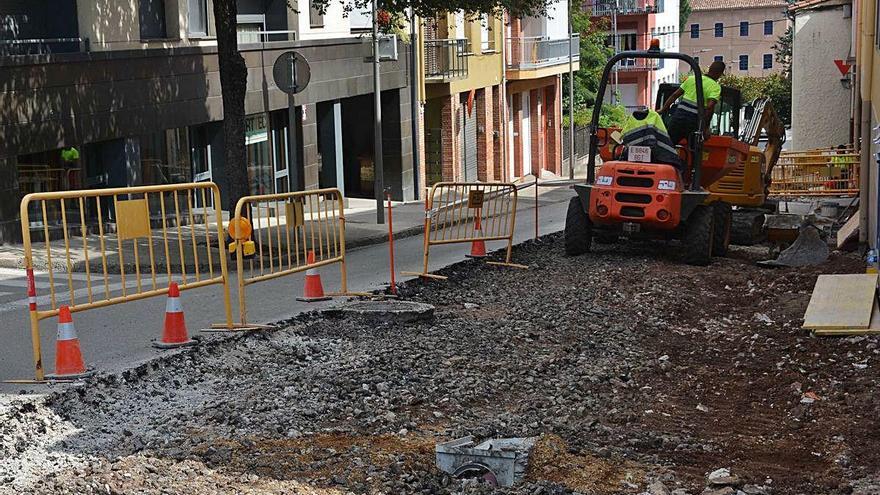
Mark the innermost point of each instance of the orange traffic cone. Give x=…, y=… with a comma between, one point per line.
x=68, y=357
x=314, y=290
x=174, y=334
x=478, y=247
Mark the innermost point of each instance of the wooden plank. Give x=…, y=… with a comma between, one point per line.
x=841, y=302
x=874, y=328
x=849, y=229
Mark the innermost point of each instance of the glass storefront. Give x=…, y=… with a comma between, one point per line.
x=259, y=162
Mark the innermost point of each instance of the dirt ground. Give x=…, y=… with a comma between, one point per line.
x=637, y=373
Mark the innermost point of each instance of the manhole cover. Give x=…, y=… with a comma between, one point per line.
x=387, y=311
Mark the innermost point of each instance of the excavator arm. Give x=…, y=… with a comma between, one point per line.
x=765, y=119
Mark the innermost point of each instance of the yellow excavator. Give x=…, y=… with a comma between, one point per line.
x=745, y=187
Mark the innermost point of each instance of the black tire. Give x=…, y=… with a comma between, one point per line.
x=723, y=220
x=696, y=243
x=578, y=229
x=747, y=227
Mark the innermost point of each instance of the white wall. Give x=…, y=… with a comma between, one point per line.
x=553, y=26
x=336, y=23
x=820, y=107
x=666, y=30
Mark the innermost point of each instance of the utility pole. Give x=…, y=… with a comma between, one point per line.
x=616, y=49
x=378, y=172
x=572, y=155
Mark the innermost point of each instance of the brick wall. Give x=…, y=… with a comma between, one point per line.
x=517, y=135
x=498, y=141
x=554, y=127
x=485, y=132
x=449, y=136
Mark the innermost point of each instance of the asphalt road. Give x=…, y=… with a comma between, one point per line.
x=118, y=337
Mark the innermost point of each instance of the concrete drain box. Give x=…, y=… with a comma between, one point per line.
x=498, y=461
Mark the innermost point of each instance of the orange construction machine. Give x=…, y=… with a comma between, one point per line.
x=633, y=196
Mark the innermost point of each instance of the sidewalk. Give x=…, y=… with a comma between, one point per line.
x=361, y=229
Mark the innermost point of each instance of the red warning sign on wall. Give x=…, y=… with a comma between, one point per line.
x=842, y=66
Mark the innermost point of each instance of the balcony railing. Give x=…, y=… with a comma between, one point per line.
x=537, y=51
x=40, y=46
x=627, y=7
x=637, y=64
x=446, y=59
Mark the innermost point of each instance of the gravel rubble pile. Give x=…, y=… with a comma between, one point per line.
x=639, y=375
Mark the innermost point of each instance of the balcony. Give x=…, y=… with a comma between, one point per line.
x=537, y=51
x=603, y=8
x=446, y=59
x=42, y=46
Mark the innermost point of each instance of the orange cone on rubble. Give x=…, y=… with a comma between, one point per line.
x=174, y=333
x=478, y=247
x=314, y=290
x=68, y=357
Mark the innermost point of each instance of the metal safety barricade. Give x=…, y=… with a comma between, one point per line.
x=816, y=173
x=120, y=245
x=457, y=212
x=284, y=231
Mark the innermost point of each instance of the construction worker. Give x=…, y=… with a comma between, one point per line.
x=682, y=122
x=645, y=128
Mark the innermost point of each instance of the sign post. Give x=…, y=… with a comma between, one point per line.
x=291, y=73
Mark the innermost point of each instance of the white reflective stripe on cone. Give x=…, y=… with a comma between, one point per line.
x=66, y=331
x=311, y=272
x=173, y=305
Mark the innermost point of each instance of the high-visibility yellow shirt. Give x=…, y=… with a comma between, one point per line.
x=711, y=89
x=652, y=119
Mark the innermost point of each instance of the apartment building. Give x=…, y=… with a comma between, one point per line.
x=134, y=87
x=535, y=59
x=741, y=33
x=632, y=25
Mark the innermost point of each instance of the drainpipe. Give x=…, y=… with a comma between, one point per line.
x=503, y=101
x=865, y=67
x=414, y=100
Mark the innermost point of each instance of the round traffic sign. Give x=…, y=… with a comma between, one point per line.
x=291, y=72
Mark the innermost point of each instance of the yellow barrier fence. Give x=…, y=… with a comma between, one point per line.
x=285, y=228
x=816, y=173
x=457, y=212
x=120, y=245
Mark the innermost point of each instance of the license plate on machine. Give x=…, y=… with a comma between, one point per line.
x=631, y=227
x=639, y=154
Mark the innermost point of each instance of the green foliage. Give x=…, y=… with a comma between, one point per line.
x=684, y=11
x=777, y=87
x=782, y=47
x=611, y=116
x=594, y=54
x=432, y=8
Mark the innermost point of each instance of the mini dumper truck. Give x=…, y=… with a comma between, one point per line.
x=638, y=198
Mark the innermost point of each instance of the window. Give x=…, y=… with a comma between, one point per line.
x=768, y=61
x=151, y=14
x=744, y=28
x=197, y=18
x=719, y=30
x=743, y=62
x=316, y=18
x=768, y=28
x=695, y=31
x=165, y=157
x=719, y=58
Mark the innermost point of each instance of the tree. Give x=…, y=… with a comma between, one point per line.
x=782, y=47
x=594, y=53
x=233, y=86
x=776, y=87
x=684, y=11
x=233, y=72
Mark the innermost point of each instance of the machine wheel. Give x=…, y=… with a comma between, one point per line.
x=747, y=226
x=723, y=220
x=698, y=235
x=578, y=230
